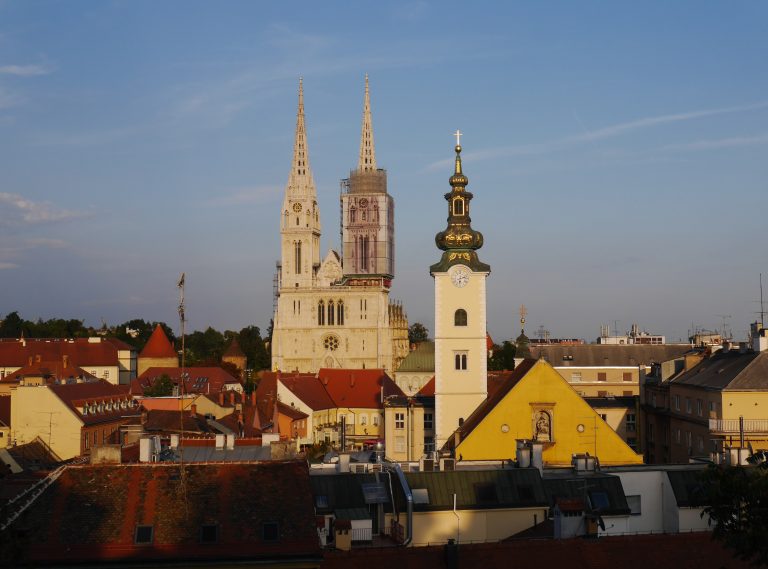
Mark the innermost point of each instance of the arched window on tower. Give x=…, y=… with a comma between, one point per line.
x=340, y=313
x=285, y=219
x=458, y=206
x=320, y=313
x=460, y=317
x=330, y=313
x=352, y=215
x=297, y=256
x=366, y=254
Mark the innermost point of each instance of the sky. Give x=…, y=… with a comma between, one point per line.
x=616, y=152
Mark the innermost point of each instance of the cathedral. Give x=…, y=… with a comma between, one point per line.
x=335, y=311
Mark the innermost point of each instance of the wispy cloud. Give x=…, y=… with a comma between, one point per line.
x=621, y=128
x=4, y=265
x=24, y=70
x=714, y=144
x=27, y=211
x=242, y=196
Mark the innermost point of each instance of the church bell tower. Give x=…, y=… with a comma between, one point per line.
x=461, y=365
x=300, y=221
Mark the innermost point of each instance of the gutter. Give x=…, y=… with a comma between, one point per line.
x=408, y=499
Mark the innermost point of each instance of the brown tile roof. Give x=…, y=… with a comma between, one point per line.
x=176, y=421
x=730, y=371
x=428, y=388
x=5, y=410
x=90, y=514
x=591, y=355
x=83, y=352
x=234, y=350
x=199, y=379
x=52, y=371
x=158, y=345
x=106, y=402
x=291, y=412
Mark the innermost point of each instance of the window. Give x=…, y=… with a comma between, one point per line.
x=428, y=421
x=688, y=439
x=700, y=440
x=602, y=394
x=598, y=500
x=602, y=376
x=627, y=394
x=650, y=432
x=678, y=437
x=627, y=376
x=632, y=442
x=460, y=317
x=631, y=422
x=321, y=501
x=144, y=534
x=699, y=407
x=399, y=420
x=604, y=417
x=270, y=531
x=106, y=374
x=460, y=360
x=209, y=533
x=331, y=343
x=375, y=420
x=634, y=505
x=677, y=402
x=713, y=407
x=320, y=313
x=297, y=253
x=363, y=420
x=458, y=206
x=688, y=405
x=576, y=376
x=340, y=313
x=331, y=313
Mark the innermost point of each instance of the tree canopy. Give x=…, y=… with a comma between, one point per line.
x=417, y=332
x=737, y=498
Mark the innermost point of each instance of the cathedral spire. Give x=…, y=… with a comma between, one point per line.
x=300, y=180
x=367, y=161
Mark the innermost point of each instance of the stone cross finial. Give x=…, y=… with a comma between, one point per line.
x=458, y=135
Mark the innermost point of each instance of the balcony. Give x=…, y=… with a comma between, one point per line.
x=731, y=426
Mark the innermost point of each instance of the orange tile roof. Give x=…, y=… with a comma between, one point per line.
x=362, y=388
x=234, y=350
x=428, y=388
x=99, y=396
x=199, y=379
x=158, y=345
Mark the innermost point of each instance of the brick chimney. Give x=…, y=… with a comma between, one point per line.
x=232, y=398
x=65, y=359
x=253, y=398
x=221, y=398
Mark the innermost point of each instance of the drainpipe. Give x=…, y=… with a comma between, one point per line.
x=455, y=513
x=408, y=500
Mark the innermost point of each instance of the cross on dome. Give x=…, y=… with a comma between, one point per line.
x=458, y=134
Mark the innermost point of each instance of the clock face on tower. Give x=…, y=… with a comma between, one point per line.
x=459, y=275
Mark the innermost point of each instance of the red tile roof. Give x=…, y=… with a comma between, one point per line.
x=90, y=515
x=199, y=379
x=83, y=352
x=158, y=345
x=306, y=387
x=358, y=387
x=52, y=371
x=163, y=421
x=428, y=389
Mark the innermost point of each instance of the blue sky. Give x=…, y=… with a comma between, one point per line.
x=616, y=150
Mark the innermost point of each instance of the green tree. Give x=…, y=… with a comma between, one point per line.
x=253, y=347
x=136, y=332
x=12, y=326
x=204, y=346
x=417, y=332
x=737, y=498
x=162, y=387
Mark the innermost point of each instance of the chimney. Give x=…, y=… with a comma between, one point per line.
x=38, y=358
x=232, y=398
x=221, y=399
x=65, y=359
x=193, y=411
x=30, y=360
x=352, y=380
x=253, y=398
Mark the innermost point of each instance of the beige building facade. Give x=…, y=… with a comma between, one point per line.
x=331, y=312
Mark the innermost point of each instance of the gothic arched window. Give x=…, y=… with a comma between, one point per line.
x=352, y=215
x=297, y=256
x=458, y=206
x=460, y=317
x=330, y=313
x=320, y=313
x=340, y=313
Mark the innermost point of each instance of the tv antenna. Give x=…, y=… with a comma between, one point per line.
x=724, y=330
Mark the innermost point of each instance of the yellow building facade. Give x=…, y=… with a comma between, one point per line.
x=537, y=404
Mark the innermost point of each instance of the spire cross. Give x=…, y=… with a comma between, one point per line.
x=523, y=313
x=458, y=135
